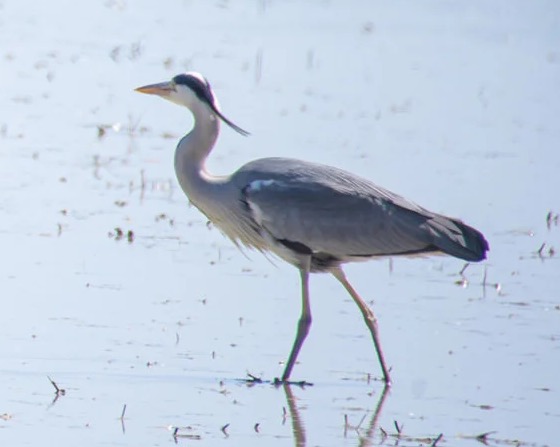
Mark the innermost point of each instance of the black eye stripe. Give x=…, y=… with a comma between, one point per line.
x=200, y=88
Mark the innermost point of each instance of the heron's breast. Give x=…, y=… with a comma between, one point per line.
x=234, y=223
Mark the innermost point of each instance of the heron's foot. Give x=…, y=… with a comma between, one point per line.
x=385, y=380
x=300, y=383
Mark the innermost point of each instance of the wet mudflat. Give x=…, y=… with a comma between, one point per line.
x=123, y=295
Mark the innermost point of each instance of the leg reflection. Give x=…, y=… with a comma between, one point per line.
x=297, y=424
x=367, y=438
x=366, y=435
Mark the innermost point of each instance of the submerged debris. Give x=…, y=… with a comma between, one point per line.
x=224, y=430
x=552, y=219
x=58, y=391
x=300, y=383
x=399, y=435
x=541, y=252
x=253, y=379
x=119, y=234
x=437, y=440
x=177, y=435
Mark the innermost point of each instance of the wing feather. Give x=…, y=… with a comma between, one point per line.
x=332, y=211
x=335, y=218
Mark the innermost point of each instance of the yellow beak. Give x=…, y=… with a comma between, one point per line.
x=161, y=89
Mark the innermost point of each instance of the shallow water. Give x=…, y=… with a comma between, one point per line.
x=455, y=107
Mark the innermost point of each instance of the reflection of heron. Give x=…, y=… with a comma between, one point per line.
x=367, y=438
x=313, y=216
x=366, y=433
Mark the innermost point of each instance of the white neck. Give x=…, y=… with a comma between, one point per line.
x=191, y=154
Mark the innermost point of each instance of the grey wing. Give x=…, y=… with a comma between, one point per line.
x=354, y=218
x=342, y=222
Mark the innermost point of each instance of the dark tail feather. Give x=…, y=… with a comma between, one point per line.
x=455, y=238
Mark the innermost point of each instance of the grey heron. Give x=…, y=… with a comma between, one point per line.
x=313, y=216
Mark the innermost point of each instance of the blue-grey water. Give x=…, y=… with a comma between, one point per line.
x=453, y=105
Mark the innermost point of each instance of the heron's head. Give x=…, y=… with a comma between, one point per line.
x=191, y=90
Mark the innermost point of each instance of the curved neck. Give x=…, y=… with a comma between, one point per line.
x=193, y=150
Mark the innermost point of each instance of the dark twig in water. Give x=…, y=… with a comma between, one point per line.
x=434, y=444
x=431, y=441
x=58, y=391
x=541, y=251
x=224, y=429
x=483, y=437
x=486, y=439
x=122, y=419
x=551, y=219
x=256, y=427
x=464, y=282
x=361, y=422
x=428, y=441
x=253, y=379
x=177, y=435
x=119, y=234
x=300, y=383
x=347, y=424
x=142, y=185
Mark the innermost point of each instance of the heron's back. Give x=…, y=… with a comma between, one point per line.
x=332, y=212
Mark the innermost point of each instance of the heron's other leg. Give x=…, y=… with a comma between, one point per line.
x=369, y=318
x=303, y=325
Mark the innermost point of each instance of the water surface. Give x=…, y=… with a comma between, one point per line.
x=453, y=106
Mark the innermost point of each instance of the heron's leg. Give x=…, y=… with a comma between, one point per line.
x=303, y=325
x=369, y=318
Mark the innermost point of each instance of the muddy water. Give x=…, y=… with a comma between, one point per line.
x=121, y=294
